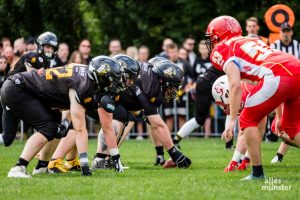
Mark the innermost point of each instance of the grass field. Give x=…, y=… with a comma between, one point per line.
x=204, y=180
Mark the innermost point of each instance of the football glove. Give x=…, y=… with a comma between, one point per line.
x=118, y=165
x=134, y=90
x=63, y=129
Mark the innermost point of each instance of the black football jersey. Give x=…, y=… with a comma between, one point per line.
x=31, y=59
x=52, y=85
x=151, y=88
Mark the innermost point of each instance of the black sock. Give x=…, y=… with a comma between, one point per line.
x=116, y=158
x=177, y=139
x=257, y=171
x=229, y=144
x=248, y=159
x=22, y=162
x=159, y=150
x=41, y=164
x=101, y=155
x=280, y=156
x=174, y=153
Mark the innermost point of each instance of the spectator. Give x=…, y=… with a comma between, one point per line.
x=8, y=53
x=62, y=55
x=166, y=42
x=115, y=47
x=143, y=56
x=202, y=63
x=144, y=53
x=252, y=28
x=30, y=44
x=286, y=43
x=189, y=44
x=3, y=72
x=183, y=54
x=85, y=50
x=169, y=110
x=132, y=51
x=19, y=47
x=5, y=42
x=77, y=57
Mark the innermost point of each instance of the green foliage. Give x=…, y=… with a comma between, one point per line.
x=204, y=180
x=134, y=22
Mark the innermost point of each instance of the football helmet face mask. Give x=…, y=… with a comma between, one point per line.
x=171, y=77
x=49, y=39
x=107, y=75
x=131, y=68
x=221, y=28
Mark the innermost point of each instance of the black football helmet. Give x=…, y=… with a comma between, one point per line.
x=107, y=75
x=50, y=39
x=156, y=59
x=131, y=67
x=170, y=75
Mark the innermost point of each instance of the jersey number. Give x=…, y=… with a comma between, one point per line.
x=58, y=73
x=256, y=50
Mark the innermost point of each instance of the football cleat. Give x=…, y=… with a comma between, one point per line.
x=160, y=160
x=56, y=166
x=276, y=159
x=18, y=172
x=169, y=164
x=100, y=163
x=73, y=165
x=251, y=177
x=1, y=139
x=244, y=164
x=231, y=167
x=85, y=171
x=42, y=170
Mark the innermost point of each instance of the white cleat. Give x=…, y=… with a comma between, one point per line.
x=42, y=170
x=18, y=172
x=276, y=160
x=1, y=139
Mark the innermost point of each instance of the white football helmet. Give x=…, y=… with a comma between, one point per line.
x=220, y=92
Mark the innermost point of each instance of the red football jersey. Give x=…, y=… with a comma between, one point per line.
x=254, y=59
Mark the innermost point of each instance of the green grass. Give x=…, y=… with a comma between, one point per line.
x=204, y=180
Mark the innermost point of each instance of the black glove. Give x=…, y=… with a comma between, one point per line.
x=63, y=129
x=134, y=90
x=107, y=104
x=118, y=165
x=183, y=162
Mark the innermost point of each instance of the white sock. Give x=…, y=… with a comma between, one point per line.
x=236, y=156
x=114, y=151
x=246, y=155
x=188, y=128
x=1, y=139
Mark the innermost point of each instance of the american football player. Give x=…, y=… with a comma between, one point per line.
x=75, y=87
x=276, y=74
